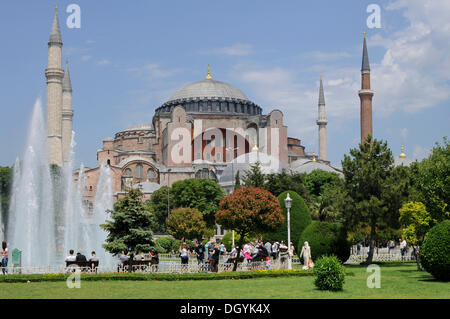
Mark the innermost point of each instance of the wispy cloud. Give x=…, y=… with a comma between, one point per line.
x=237, y=49
x=103, y=62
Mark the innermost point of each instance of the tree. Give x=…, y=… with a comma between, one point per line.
x=6, y=176
x=254, y=177
x=284, y=181
x=366, y=172
x=186, y=223
x=237, y=182
x=326, y=195
x=249, y=210
x=300, y=219
x=130, y=226
x=416, y=222
x=159, y=204
x=433, y=181
x=203, y=194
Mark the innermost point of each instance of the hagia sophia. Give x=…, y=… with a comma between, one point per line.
x=206, y=129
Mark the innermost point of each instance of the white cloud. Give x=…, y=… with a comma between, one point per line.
x=420, y=153
x=237, y=49
x=103, y=62
x=415, y=70
x=85, y=58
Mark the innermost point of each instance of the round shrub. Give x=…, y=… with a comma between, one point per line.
x=435, y=251
x=325, y=238
x=330, y=274
x=300, y=219
x=168, y=244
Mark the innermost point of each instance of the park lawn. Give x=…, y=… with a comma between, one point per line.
x=398, y=281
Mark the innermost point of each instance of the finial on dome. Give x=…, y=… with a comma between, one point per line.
x=314, y=157
x=402, y=155
x=208, y=77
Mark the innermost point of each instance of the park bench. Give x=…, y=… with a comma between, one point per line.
x=90, y=266
x=141, y=264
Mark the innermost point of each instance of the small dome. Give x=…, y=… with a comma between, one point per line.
x=208, y=89
x=242, y=163
x=309, y=166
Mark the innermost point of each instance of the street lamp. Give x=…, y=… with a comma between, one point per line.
x=232, y=179
x=288, y=203
x=168, y=191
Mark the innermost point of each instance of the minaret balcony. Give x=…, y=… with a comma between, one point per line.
x=322, y=122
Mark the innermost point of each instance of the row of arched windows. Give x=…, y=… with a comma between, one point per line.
x=139, y=172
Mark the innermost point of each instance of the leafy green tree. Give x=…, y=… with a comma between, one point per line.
x=254, y=177
x=203, y=194
x=186, y=223
x=366, y=172
x=6, y=176
x=159, y=204
x=416, y=222
x=130, y=226
x=249, y=210
x=433, y=181
x=285, y=181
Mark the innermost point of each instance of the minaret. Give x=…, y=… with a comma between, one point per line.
x=54, y=75
x=365, y=95
x=322, y=123
x=67, y=114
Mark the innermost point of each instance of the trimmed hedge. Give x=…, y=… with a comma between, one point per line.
x=330, y=274
x=325, y=238
x=159, y=276
x=300, y=219
x=435, y=251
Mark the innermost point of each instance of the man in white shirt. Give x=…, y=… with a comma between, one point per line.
x=403, y=245
x=71, y=256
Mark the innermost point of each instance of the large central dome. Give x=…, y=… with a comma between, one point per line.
x=208, y=89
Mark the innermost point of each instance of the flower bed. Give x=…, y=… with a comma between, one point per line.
x=159, y=276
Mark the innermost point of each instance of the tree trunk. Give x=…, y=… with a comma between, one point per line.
x=130, y=263
x=241, y=241
x=371, y=245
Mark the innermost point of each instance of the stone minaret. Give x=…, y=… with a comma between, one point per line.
x=365, y=95
x=67, y=114
x=54, y=75
x=322, y=123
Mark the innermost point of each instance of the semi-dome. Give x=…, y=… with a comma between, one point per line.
x=208, y=89
x=312, y=165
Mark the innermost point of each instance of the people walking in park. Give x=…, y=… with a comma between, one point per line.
x=306, y=254
x=71, y=256
x=222, y=248
x=275, y=248
x=268, y=247
x=215, y=259
x=291, y=250
x=4, y=258
x=184, y=255
x=200, y=253
x=403, y=248
x=358, y=248
x=391, y=246
x=283, y=253
x=247, y=253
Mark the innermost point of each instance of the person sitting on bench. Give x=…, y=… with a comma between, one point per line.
x=93, y=257
x=71, y=257
x=80, y=257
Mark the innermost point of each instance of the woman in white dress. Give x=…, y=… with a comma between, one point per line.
x=306, y=253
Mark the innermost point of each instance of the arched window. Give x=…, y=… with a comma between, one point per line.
x=150, y=174
x=128, y=172
x=139, y=171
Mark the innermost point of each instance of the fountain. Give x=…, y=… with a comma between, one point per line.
x=47, y=216
x=32, y=228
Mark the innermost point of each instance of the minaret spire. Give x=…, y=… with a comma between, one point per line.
x=322, y=123
x=365, y=95
x=67, y=115
x=54, y=75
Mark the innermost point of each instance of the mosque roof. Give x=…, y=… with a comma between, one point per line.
x=365, y=59
x=208, y=89
x=55, y=33
x=307, y=166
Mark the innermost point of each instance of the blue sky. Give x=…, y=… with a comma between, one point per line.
x=129, y=57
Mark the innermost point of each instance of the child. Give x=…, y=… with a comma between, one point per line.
x=267, y=262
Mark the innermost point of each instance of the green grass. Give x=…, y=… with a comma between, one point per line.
x=399, y=281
